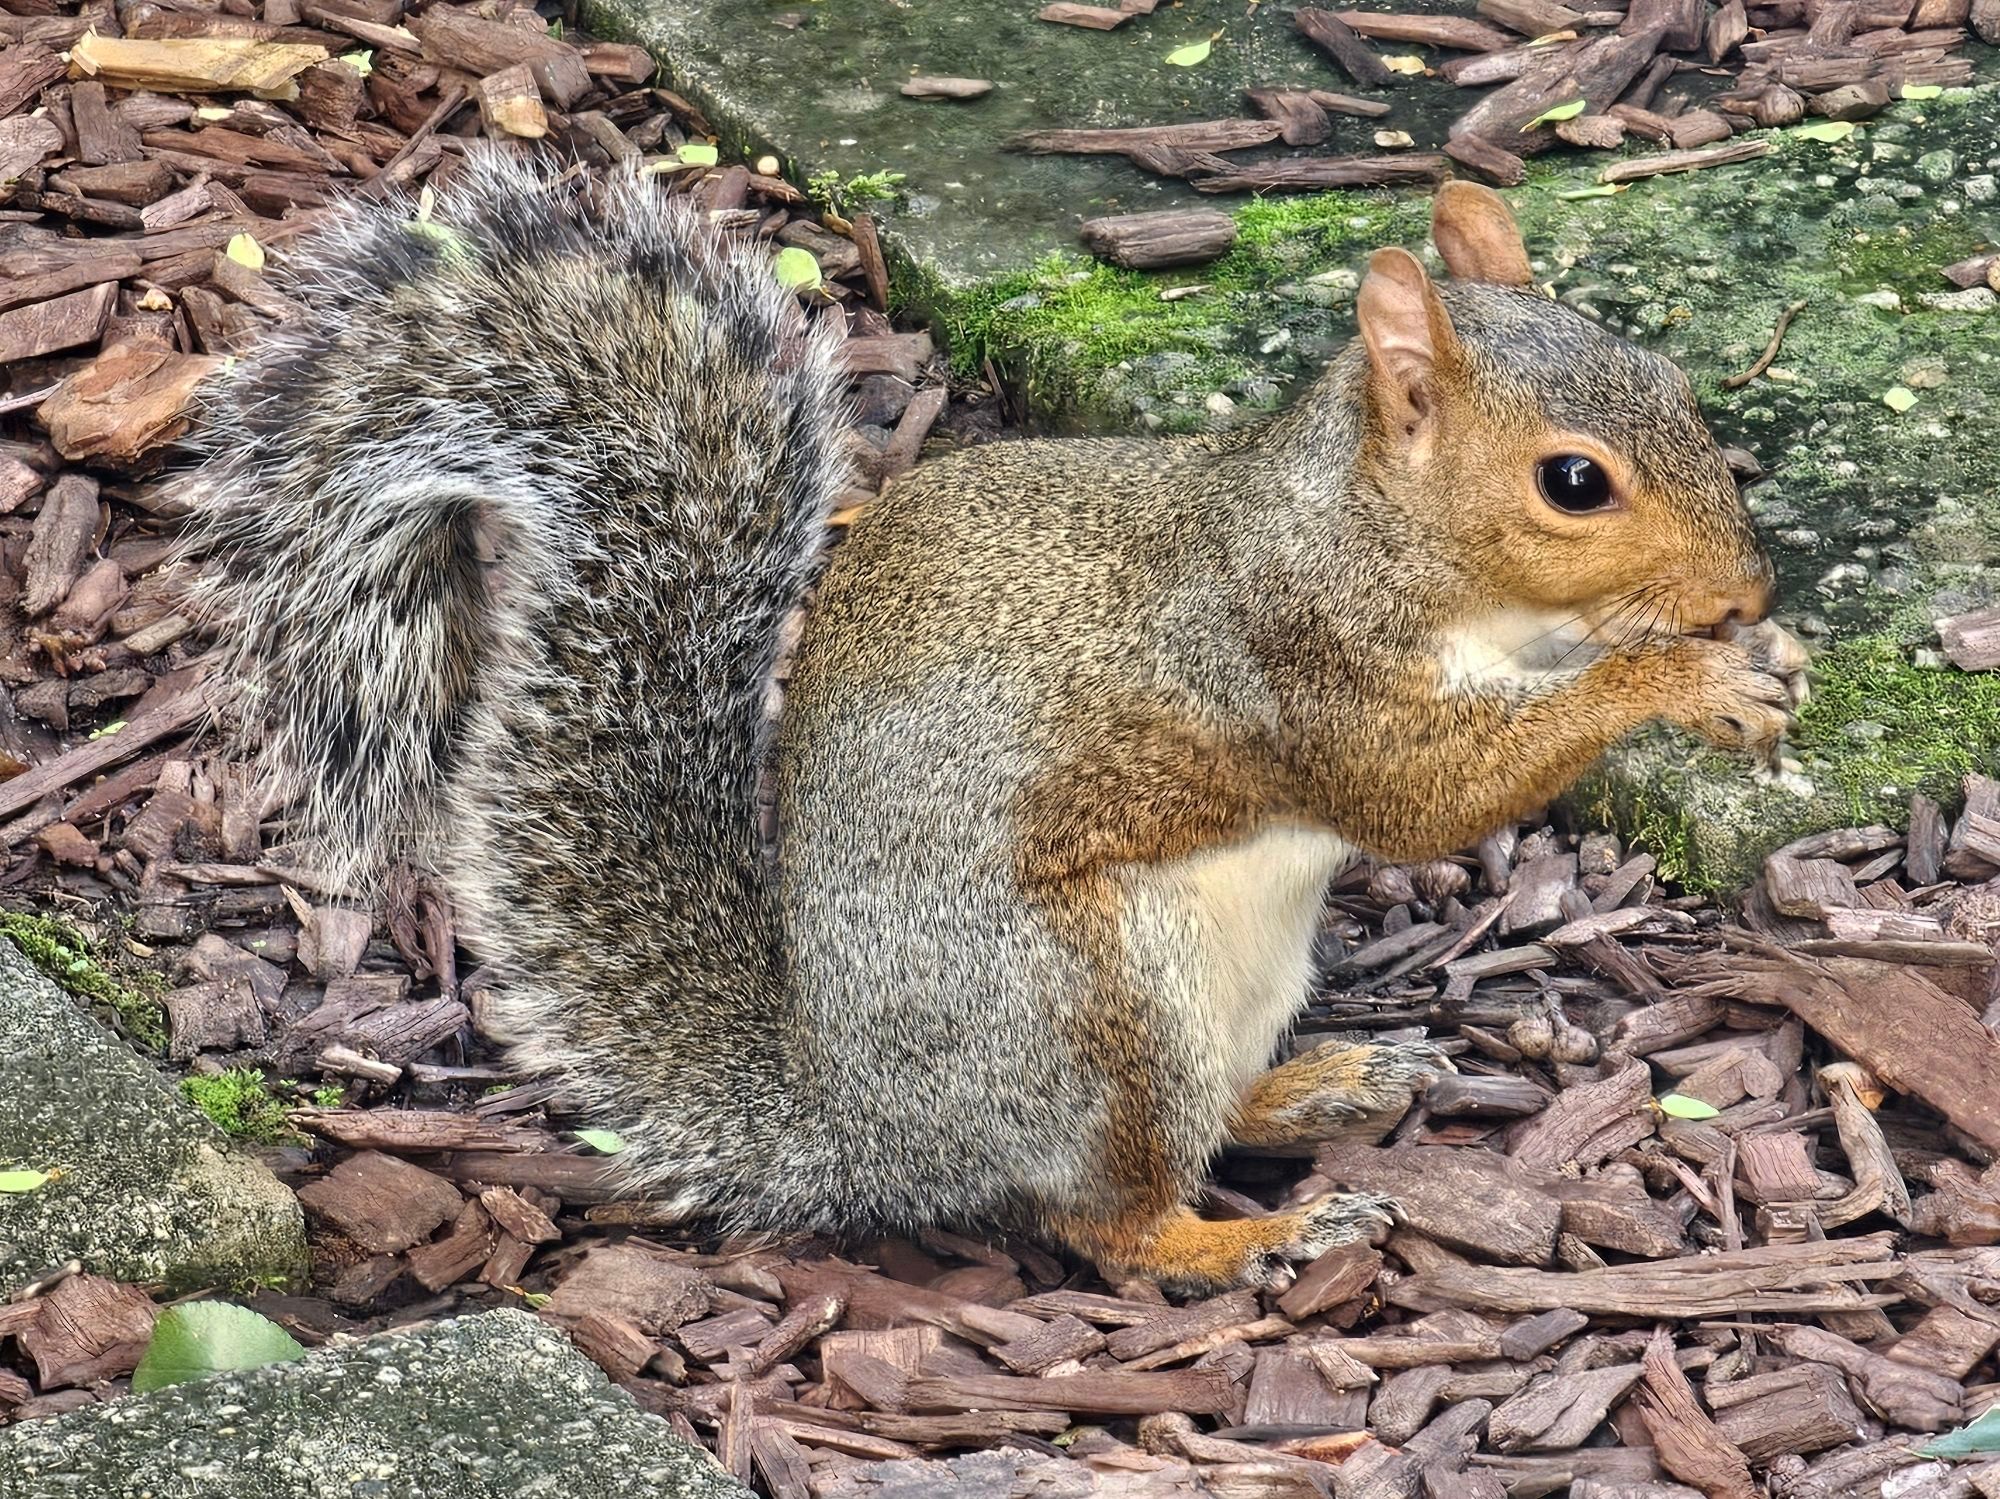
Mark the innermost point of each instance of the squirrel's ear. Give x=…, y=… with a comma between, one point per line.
x=1476, y=234
x=1406, y=330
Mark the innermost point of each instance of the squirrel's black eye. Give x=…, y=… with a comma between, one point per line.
x=1574, y=484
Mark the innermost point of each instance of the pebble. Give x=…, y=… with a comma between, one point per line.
x=1888, y=299
x=1981, y=189
x=1937, y=166
x=1220, y=405
x=1926, y=373
x=1972, y=299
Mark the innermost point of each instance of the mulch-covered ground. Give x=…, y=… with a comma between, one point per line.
x=1775, y=1280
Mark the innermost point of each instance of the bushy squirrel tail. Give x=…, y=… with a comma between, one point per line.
x=531, y=405
x=503, y=535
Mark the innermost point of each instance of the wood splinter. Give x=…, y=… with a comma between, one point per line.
x=1737, y=382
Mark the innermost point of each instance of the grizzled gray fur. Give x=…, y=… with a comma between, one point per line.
x=508, y=529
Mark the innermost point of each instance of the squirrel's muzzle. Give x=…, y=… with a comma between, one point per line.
x=1747, y=602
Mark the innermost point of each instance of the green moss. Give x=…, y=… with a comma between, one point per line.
x=1876, y=729
x=131, y=1004
x=1906, y=255
x=1935, y=725
x=1650, y=823
x=238, y=1104
x=1335, y=222
x=1067, y=330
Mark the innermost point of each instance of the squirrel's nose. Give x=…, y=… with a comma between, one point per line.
x=1747, y=599
x=1733, y=604
x=1748, y=614
x=1749, y=605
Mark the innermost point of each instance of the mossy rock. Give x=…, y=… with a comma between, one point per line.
x=140, y=1187
x=1880, y=519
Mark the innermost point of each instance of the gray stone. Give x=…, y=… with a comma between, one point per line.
x=147, y=1189
x=486, y=1407
x=1937, y=166
x=819, y=84
x=880, y=399
x=1972, y=299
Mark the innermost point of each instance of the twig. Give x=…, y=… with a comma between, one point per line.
x=22, y=402
x=453, y=98
x=1736, y=382
x=192, y=703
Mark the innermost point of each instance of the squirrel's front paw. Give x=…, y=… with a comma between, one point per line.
x=1776, y=652
x=1735, y=702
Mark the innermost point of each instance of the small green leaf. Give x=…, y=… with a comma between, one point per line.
x=1679, y=1106
x=24, y=1181
x=1602, y=190
x=698, y=154
x=1557, y=115
x=1826, y=131
x=1980, y=1437
x=1899, y=398
x=108, y=730
x=1190, y=55
x=537, y=1299
x=796, y=268
x=362, y=62
x=1922, y=90
x=199, y=1338
x=245, y=251
x=609, y=1142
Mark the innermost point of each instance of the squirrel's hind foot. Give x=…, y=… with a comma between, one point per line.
x=1318, y=1093
x=1195, y=1256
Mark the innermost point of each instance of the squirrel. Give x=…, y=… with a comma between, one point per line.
x=504, y=535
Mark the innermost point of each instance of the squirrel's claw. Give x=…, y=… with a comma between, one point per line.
x=1328, y=1222
x=1776, y=652
x=1744, y=689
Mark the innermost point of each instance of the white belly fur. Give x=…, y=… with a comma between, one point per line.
x=1256, y=908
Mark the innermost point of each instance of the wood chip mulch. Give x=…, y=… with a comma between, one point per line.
x=1553, y=77
x=1588, y=1293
